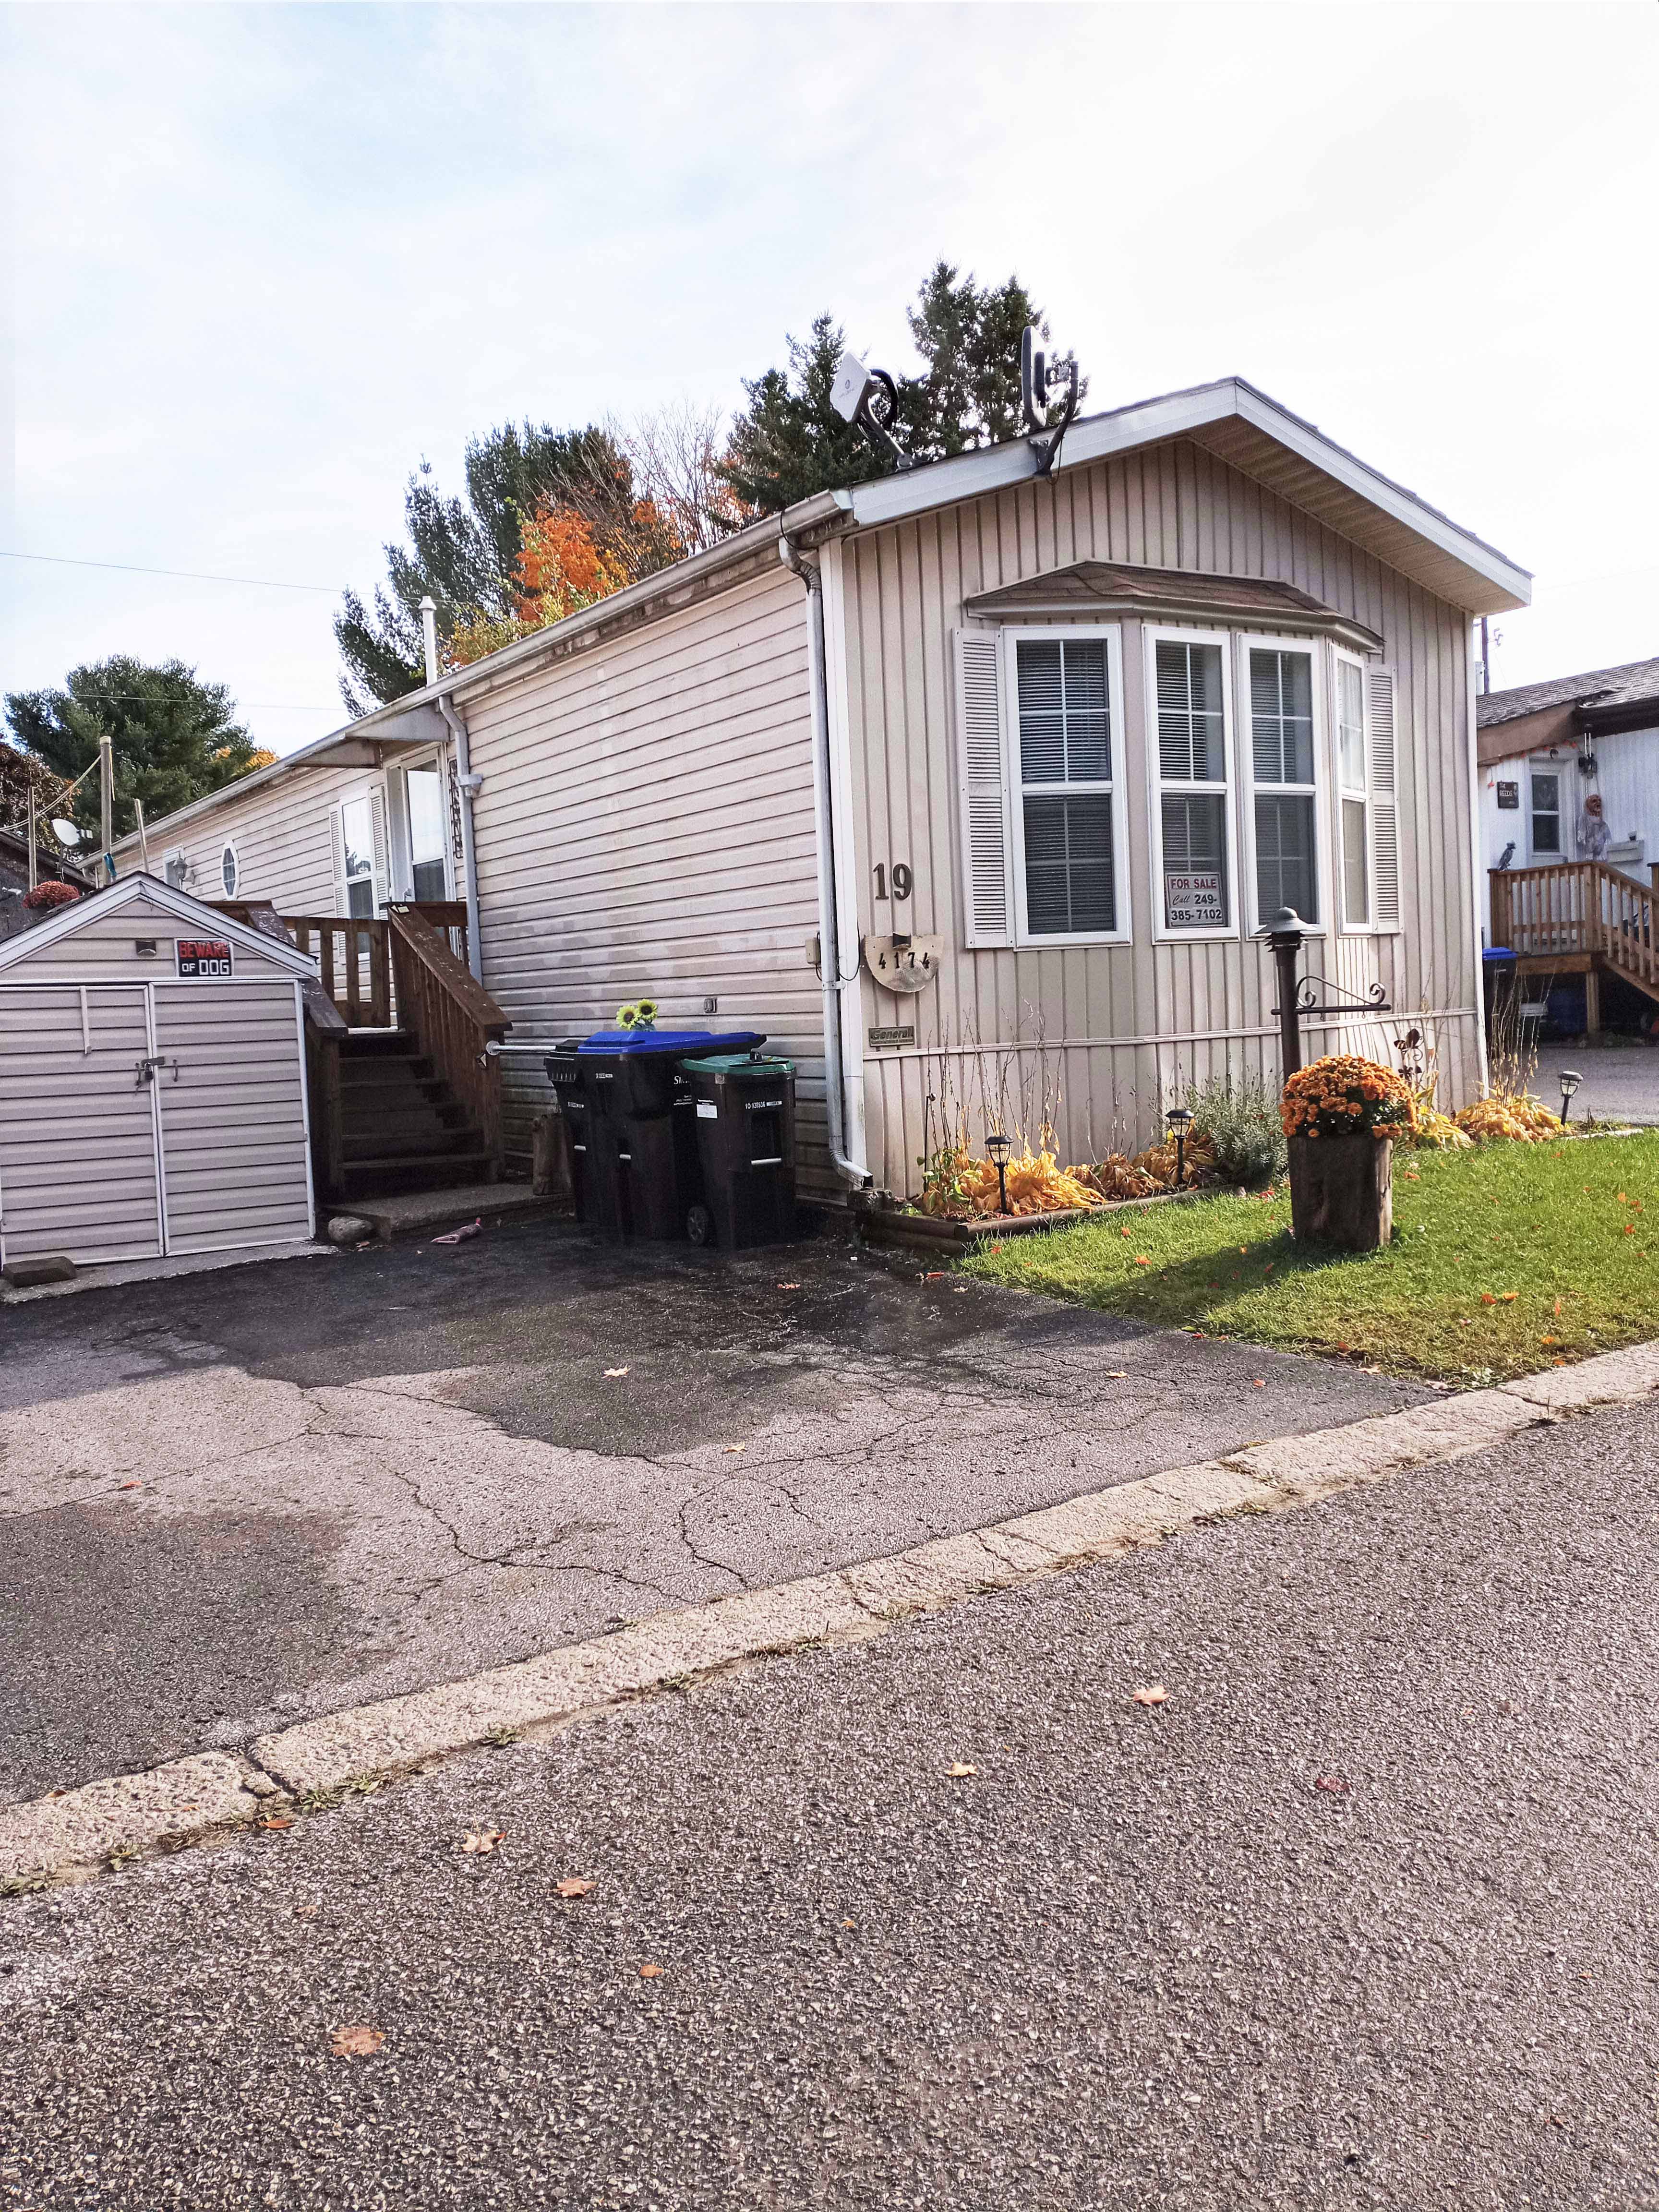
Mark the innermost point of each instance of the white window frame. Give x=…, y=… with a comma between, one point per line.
x=1339, y=791
x=1063, y=633
x=1319, y=680
x=230, y=890
x=405, y=828
x=1543, y=765
x=380, y=889
x=1163, y=933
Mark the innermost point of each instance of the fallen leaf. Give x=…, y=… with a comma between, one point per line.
x=1623, y=1201
x=1340, y=1346
x=574, y=1886
x=133, y=1485
x=649, y=1973
x=1557, y=1309
x=304, y=1912
x=1487, y=1299
x=959, y=1769
x=357, y=2042
x=277, y=1821
x=1143, y=1260
x=1630, y=1229
x=997, y=1248
x=1153, y=1693
x=615, y=1373
x=737, y=1447
x=850, y=1924
x=460, y=1235
x=481, y=1840
x=1508, y=1298
x=1332, y=1782
x=788, y=1286
x=1258, y=1384
x=1549, y=1339
x=1123, y=1233
x=934, y=1275
x=1117, y=1374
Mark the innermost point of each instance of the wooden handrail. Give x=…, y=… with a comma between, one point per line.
x=1574, y=907
x=454, y=1019
x=354, y=961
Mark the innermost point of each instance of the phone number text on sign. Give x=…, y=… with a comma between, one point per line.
x=1196, y=899
x=204, y=956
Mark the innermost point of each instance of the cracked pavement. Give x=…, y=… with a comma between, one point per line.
x=237, y=1500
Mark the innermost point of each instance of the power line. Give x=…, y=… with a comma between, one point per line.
x=154, y=699
x=191, y=575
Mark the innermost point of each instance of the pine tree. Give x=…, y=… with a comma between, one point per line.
x=174, y=737
x=789, y=442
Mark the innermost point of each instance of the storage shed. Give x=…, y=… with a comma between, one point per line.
x=152, y=1082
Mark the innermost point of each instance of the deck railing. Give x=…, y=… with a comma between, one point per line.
x=1572, y=908
x=443, y=1004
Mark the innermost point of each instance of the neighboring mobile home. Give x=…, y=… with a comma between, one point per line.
x=1075, y=736
x=1569, y=817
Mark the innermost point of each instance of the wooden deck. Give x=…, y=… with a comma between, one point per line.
x=1579, y=917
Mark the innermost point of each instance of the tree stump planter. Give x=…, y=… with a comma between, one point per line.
x=1342, y=1191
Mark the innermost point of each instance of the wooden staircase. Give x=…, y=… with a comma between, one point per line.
x=402, y=1127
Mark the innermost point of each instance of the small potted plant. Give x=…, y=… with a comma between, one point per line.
x=1340, y=1114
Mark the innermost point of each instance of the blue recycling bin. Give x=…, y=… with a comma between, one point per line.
x=641, y=1172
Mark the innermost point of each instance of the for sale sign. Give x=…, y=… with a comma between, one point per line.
x=204, y=956
x=1195, y=898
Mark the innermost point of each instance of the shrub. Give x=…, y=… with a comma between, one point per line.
x=1344, y=1096
x=47, y=895
x=1237, y=1116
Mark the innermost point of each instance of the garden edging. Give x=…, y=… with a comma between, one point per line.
x=109, y=1823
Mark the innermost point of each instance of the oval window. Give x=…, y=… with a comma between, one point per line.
x=228, y=870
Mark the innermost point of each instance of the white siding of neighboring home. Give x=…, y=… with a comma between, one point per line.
x=1022, y=1025
x=644, y=829
x=284, y=836
x=1627, y=777
x=78, y=1131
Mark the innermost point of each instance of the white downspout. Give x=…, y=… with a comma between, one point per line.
x=466, y=782
x=829, y=968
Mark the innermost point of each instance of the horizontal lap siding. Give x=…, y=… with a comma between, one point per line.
x=644, y=829
x=106, y=945
x=232, y=1121
x=283, y=836
x=78, y=1147
x=1017, y=1027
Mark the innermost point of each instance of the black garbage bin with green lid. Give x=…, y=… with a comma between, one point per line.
x=745, y=1106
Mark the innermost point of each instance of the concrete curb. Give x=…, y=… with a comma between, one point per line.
x=83, y=1830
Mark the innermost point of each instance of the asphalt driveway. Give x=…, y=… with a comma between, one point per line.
x=237, y=1499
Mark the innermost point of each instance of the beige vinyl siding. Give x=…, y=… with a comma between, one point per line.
x=1097, y=1038
x=234, y=1139
x=284, y=836
x=106, y=945
x=645, y=828
x=77, y=1136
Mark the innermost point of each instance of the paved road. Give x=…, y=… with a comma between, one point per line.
x=1621, y=1082
x=1139, y=1958
x=230, y=1501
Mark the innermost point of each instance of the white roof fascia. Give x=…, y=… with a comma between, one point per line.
x=127, y=889
x=1097, y=437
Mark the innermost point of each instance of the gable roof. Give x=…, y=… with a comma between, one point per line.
x=1633, y=684
x=128, y=890
x=1105, y=588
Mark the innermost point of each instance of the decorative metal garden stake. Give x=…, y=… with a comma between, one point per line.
x=1571, y=1079
x=1180, y=1119
x=998, y=1146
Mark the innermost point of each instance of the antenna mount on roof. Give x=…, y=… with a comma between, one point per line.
x=1041, y=380
x=869, y=398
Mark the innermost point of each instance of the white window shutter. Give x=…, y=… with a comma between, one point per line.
x=987, y=855
x=382, y=850
x=336, y=861
x=1385, y=802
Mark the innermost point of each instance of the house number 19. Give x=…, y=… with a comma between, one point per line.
x=902, y=880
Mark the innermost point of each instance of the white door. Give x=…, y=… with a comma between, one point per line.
x=230, y=1099
x=78, y=1155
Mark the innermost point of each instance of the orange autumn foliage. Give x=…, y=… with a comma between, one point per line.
x=561, y=566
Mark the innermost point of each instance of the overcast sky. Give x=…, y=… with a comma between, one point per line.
x=266, y=258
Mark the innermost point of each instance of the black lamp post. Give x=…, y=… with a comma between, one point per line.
x=1571, y=1079
x=1180, y=1119
x=998, y=1146
x=1285, y=933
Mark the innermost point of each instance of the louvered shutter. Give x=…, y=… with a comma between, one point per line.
x=1385, y=801
x=337, y=860
x=986, y=845
x=382, y=850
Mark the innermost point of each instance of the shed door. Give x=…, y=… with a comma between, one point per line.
x=77, y=1123
x=231, y=1100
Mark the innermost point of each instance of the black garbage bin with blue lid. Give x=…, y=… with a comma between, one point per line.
x=643, y=1169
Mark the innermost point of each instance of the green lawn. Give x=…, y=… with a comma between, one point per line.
x=1556, y=1237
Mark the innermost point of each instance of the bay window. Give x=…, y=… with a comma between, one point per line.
x=1193, y=820
x=1285, y=800
x=1063, y=687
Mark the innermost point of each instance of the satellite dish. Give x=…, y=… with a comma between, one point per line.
x=67, y=832
x=869, y=398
